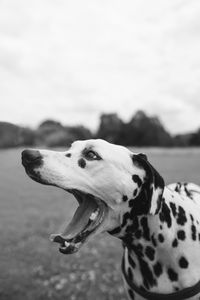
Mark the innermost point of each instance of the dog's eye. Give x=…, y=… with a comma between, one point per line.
x=92, y=155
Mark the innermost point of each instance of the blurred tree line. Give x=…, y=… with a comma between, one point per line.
x=141, y=130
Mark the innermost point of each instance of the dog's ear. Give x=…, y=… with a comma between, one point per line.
x=153, y=185
x=143, y=156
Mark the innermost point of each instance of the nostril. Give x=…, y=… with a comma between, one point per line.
x=29, y=156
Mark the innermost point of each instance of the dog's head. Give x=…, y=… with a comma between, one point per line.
x=108, y=181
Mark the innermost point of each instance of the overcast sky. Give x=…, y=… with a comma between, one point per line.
x=73, y=60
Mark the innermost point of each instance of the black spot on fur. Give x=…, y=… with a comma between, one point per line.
x=128, y=240
x=124, y=198
x=131, y=203
x=154, y=240
x=165, y=215
x=194, y=232
x=188, y=193
x=137, y=180
x=115, y=231
x=125, y=219
x=131, y=294
x=138, y=234
x=142, y=288
x=68, y=155
x=161, y=238
x=173, y=276
x=199, y=236
x=175, y=243
x=135, y=192
x=133, y=227
x=145, y=227
x=140, y=204
x=131, y=261
x=183, y=263
x=130, y=274
x=82, y=163
x=173, y=208
x=147, y=274
x=138, y=249
x=181, y=235
x=157, y=269
x=181, y=219
x=150, y=252
x=178, y=187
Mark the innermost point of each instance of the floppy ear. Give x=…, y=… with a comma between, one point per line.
x=153, y=186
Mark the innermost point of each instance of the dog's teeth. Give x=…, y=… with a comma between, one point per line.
x=67, y=244
x=94, y=215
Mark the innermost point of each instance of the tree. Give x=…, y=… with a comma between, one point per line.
x=9, y=135
x=110, y=128
x=145, y=131
x=13, y=136
x=195, y=138
x=52, y=134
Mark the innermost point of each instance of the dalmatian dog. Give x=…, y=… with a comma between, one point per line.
x=121, y=193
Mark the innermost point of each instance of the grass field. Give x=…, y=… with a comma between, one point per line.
x=31, y=268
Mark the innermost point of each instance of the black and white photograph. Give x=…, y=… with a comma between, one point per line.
x=100, y=150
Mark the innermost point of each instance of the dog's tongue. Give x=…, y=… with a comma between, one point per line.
x=80, y=218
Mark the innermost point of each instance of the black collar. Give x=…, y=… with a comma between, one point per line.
x=180, y=295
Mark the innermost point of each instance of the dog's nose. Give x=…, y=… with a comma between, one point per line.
x=30, y=156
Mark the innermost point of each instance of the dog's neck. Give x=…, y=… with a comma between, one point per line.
x=150, y=243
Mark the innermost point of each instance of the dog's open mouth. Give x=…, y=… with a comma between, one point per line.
x=87, y=218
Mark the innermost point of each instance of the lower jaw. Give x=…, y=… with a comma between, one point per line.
x=72, y=245
x=35, y=175
x=71, y=249
x=69, y=246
